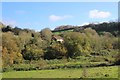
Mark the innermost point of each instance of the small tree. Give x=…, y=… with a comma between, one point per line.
x=32, y=52
x=46, y=34
x=56, y=50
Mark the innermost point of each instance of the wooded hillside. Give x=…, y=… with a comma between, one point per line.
x=94, y=42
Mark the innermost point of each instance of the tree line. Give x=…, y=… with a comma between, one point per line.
x=25, y=44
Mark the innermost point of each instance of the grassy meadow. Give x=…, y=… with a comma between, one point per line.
x=96, y=72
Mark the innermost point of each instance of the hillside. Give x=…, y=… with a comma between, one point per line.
x=111, y=27
x=25, y=49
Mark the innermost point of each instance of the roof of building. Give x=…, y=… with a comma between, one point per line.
x=57, y=37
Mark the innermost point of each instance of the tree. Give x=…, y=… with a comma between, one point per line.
x=117, y=59
x=76, y=44
x=55, y=51
x=7, y=28
x=32, y=51
x=16, y=30
x=22, y=39
x=46, y=34
x=90, y=32
x=10, y=48
x=5, y=57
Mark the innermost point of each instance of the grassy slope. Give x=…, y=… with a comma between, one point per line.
x=59, y=32
x=97, y=72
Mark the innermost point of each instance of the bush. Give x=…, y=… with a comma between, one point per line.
x=100, y=53
x=97, y=59
x=7, y=69
x=54, y=61
x=22, y=67
x=106, y=75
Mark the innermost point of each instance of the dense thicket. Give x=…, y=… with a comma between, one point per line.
x=99, y=42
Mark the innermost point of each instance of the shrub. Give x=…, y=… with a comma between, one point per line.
x=97, y=59
x=7, y=69
x=106, y=75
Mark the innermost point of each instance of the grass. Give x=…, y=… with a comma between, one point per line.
x=97, y=72
x=59, y=32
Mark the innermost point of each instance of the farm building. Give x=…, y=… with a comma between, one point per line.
x=57, y=38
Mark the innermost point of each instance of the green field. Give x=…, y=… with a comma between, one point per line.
x=59, y=32
x=97, y=72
